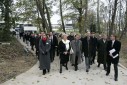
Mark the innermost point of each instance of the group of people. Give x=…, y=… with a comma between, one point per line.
x=73, y=48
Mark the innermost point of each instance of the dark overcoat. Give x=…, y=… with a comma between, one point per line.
x=62, y=48
x=117, y=47
x=44, y=58
x=102, y=52
x=87, y=47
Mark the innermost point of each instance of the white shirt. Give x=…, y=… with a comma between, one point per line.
x=113, y=42
x=104, y=40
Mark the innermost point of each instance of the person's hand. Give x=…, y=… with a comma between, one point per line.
x=65, y=53
x=43, y=53
x=111, y=55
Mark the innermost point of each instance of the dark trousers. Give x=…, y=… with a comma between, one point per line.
x=32, y=47
x=76, y=60
x=115, y=68
x=57, y=51
x=52, y=54
x=93, y=56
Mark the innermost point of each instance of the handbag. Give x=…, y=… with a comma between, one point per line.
x=71, y=51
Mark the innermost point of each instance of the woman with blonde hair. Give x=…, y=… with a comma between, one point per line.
x=64, y=50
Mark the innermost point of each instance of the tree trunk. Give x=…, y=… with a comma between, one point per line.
x=120, y=17
x=39, y=24
x=98, y=19
x=6, y=30
x=109, y=20
x=86, y=11
x=44, y=21
x=125, y=28
x=61, y=14
x=113, y=17
x=48, y=17
x=80, y=18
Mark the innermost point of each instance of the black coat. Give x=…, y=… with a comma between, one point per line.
x=32, y=40
x=27, y=37
x=117, y=47
x=37, y=39
x=87, y=48
x=71, y=38
x=62, y=48
x=94, y=46
x=54, y=43
x=102, y=52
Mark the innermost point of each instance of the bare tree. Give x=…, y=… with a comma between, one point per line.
x=98, y=19
x=113, y=17
x=61, y=14
x=125, y=28
x=86, y=13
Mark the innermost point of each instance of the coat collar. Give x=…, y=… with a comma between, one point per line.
x=65, y=42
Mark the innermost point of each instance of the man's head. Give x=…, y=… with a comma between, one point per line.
x=93, y=34
x=104, y=36
x=42, y=33
x=113, y=37
x=50, y=33
x=77, y=36
x=72, y=34
x=100, y=37
x=88, y=34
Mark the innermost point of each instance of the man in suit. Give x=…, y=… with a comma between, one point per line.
x=113, y=49
x=94, y=44
x=32, y=41
x=54, y=45
x=87, y=50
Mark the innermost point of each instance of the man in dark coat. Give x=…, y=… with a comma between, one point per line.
x=24, y=37
x=37, y=39
x=71, y=36
x=32, y=41
x=94, y=48
x=54, y=45
x=113, y=49
x=27, y=38
x=87, y=50
x=102, y=52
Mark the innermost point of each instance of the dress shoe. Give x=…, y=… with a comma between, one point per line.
x=44, y=72
x=107, y=74
x=116, y=79
x=87, y=70
x=60, y=71
x=76, y=68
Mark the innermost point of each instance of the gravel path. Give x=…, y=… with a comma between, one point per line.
x=96, y=76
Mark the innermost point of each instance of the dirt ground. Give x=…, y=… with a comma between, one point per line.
x=13, y=62
x=123, y=53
